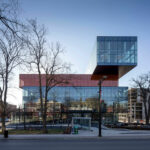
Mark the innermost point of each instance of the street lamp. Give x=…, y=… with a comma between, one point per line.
x=100, y=112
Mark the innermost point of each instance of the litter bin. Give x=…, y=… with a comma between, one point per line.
x=75, y=130
x=6, y=134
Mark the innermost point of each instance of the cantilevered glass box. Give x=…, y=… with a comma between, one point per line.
x=113, y=56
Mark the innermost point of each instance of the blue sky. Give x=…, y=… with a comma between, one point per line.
x=76, y=23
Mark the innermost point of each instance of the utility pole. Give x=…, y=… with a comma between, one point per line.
x=100, y=109
x=19, y=114
x=100, y=112
x=24, y=118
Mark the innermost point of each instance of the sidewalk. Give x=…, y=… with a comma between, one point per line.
x=67, y=137
x=93, y=133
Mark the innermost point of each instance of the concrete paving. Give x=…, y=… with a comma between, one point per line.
x=120, y=132
x=93, y=133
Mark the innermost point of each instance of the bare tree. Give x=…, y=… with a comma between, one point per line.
x=143, y=84
x=52, y=68
x=9, y=10
x=11, y=45
x=36, y=43
x=45, y=60
x=11, y=52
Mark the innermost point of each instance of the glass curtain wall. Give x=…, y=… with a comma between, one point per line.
x=78, y=94
x=117, y=50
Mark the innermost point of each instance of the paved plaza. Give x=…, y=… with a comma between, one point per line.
x=93, y=133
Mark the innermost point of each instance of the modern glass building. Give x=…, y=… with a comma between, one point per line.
x=112, y=56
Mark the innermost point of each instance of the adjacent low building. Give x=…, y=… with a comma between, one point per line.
x=10, y=108
x=135, y=106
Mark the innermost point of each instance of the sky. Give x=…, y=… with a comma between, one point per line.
x=76, y=23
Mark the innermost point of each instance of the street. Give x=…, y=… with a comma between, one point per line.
x=76, y=144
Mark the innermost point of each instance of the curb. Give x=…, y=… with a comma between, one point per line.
x=70, y=137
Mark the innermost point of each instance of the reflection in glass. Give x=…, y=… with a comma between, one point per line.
x=117, y=50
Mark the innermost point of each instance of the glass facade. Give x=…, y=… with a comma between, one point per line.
x=92, y=61
x=113, y=51
x=116, y=50
x=77, y=94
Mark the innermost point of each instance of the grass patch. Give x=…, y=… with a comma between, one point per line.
x=50, y=131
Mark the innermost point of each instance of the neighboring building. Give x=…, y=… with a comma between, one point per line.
x=123, y=117
x=10, y=108
x=135, y=106
x=114, y=57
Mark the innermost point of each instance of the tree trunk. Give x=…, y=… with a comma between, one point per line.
x=53, y=111
x=148, y=110
x=68, y=118
x=44, y=124
x=41, y=98
x=147, y=120
x=3, y=123
x=45, y=112
x=3, y=120
x=45, y=120
x=24, y=117
x=5, y=97
x=146, y=113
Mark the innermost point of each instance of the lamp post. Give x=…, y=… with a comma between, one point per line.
x=24, y=117
x=100, y=111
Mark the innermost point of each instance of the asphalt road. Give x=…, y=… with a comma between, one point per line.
x=76, y=144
